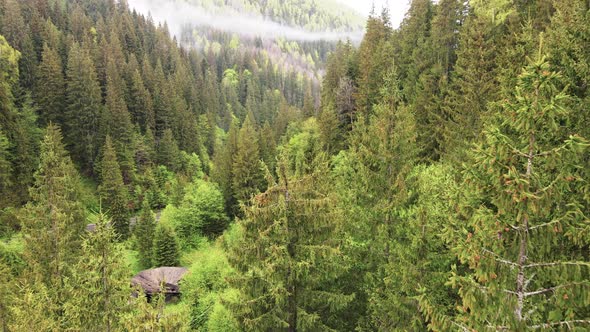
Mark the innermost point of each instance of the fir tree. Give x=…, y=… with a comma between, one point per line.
x=521, y=238
x=166, y=252
x=473, y=85
x=113, y=192
x=144, y=234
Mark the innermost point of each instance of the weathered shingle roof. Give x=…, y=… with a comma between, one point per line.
x=150, y=280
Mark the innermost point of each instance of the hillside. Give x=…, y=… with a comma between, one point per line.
x=431, y=177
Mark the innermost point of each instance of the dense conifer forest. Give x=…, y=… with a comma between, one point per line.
x=431, y=177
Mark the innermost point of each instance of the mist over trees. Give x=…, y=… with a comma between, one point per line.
x=431, y=177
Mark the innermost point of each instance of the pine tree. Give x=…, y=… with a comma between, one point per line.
x=99, y=288
x=166, y=251
x=113, y=193
x=288, y=258
x=83, y=107
x=50, y=88
x=144, y=234
x=54, y=220
x=521, y=234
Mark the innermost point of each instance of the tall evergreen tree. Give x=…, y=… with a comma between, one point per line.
x=116, y=122
x=50, y=87
x=247, y=175
x=473, y=85
x=83, y=107
x=144, y=234
x=373, y=61
x=521, y=237
x=113, y=193
x=53, y=221
x=166, y=251
x=288, y=258
x=99, y=288
x=168, y=152
x=223, y=161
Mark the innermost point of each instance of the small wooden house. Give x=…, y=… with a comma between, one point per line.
x=168, y=278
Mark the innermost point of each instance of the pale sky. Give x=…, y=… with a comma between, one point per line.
x=397, y=8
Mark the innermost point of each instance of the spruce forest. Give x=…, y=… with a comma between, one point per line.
x=188, y=176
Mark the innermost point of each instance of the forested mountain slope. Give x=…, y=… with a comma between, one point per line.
x=440, y=181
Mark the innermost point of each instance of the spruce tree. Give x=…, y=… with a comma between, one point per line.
x=374, y=190
x=144, y=234
x=5, y=165
x=112, y=190
x=222, y=173
x=520, y=236
x=99, y=288
x=53, y=221
x=166, y=251
x=247, y=175
x=83, y=107
x=473, y=85
x=116, y=122
x=50, y=87
x=288, y=257
x=373, y=62
x=168, y=152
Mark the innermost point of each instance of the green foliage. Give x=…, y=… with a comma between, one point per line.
x=288, y=258
x=168, y=152
x=5, y=165
x=99, y=287
x=11, y=255
x=144, y=231
x=52, y=224
x=113, y=192
x=83, y=106
x=247, y=174
x=49, y=92
x=166, y=249
x=205, y=288
x=521, y=235
x=145, y=316
x=201, y=212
